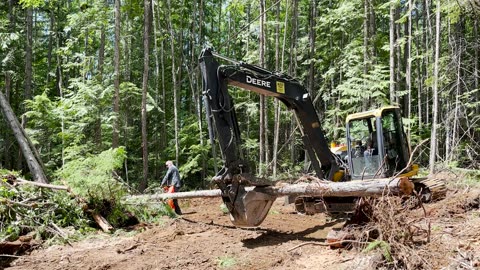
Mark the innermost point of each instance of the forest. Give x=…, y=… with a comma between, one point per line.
x=87, y=76
x=102, y=93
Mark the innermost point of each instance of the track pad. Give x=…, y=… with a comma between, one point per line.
x=250, y=207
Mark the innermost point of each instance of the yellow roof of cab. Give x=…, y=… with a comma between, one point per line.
x=374, y=113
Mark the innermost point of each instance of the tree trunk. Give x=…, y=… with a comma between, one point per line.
x=370, y=188
x=311, y=39
x=116, y=83
x=33, y=163
x=27, y=94
x=456, y=121
x=476, y=60
x=393, y=98
x=292, y=70
x=51, y=30
x=398, y=51
x=28, y=54
x=408, y=70
x=263, y=128
x=146, y=61
x=433, y=137
x=174, y=81
x=276, y=105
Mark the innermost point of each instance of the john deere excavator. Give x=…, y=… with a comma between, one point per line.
x=376, y=145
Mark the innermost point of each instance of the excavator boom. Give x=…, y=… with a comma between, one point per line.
x=249, y=208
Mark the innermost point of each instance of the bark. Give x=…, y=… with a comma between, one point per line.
x=427, y=64
x=393, y=98
x=292, y=69
x=28, y=54
x=398, y=51
x=366, y=20
x=102, y=222
x=433, y=137
x=163, y=123
x=116, y=83
x=51, y=30
x=311, y=38
x=33, y=164
x=408, y=71
x=42, y=185
x=174, y=81
x=370, y=188
x=276, y=104
x=101, y=59
x=458, y=93
x=146, y=61
x=476, y=60
x=366, y=35
x=263, y=128
x=156, y=148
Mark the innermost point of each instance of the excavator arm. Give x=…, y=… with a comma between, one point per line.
x=235, y=173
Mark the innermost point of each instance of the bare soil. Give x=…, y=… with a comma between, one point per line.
x=204, y=238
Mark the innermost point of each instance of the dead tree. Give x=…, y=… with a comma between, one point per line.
x=29, y=152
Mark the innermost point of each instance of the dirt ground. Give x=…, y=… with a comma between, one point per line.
x=204, y=238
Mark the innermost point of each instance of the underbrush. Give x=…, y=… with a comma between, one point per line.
x=94, y=189
x=39, y=213
x=411, y=235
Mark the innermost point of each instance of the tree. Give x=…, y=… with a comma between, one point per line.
x=392, y=52
x=146, y=62
x=116, y=63
x=435, y=109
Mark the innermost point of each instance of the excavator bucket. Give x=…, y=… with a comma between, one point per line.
x=250, y=208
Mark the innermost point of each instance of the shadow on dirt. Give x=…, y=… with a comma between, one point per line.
x=273, y=237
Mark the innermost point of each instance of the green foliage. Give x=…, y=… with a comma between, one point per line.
x=150, y=213
x=31, y=3
x=224, y=209
x=71, y=114
x=226, y=262
x=383, y=246
x=25, y=209
x=92, y=176
x=93, y=179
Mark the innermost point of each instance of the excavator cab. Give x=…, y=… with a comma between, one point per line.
x=377, y=145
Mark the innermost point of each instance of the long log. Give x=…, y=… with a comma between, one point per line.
x=370, y=188
x=42, y=185
x=33, y=163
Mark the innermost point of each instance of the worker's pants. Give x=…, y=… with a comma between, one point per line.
x=175, y=202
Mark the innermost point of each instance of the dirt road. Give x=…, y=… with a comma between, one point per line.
x=203, y=238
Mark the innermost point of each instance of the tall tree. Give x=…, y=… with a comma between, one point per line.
x=408, y=71
x=276, y=121
x=116, y=63
x=392, y=52
x=263, y=147
x=435, y=109
x=174, y=81
x=146, y=61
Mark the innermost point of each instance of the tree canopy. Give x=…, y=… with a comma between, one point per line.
x=64, y=63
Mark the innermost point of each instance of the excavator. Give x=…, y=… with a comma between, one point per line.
x=376, y=145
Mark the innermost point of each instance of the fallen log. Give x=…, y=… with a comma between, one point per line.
x=370, y=188
x=102, y=222
x=31, y=156
x=39, y=184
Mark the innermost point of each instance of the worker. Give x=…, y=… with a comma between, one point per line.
x=359, y=149
x=173, y=182
x=371, y=150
